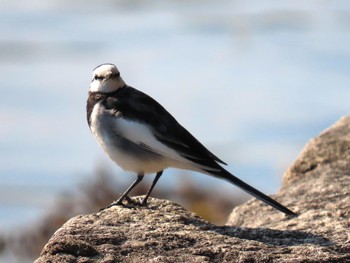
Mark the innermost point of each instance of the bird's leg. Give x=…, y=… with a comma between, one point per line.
x=158, y=175
x=125, y=194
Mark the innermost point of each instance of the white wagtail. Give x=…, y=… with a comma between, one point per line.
x=141, y=136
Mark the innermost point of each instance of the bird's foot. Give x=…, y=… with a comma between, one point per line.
x=120, y=202
x=137, y=201
x=129, y=199
x=131, y=203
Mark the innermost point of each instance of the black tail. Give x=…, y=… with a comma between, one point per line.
x=223, y=174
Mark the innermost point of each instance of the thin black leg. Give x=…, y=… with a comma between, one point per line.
x=122, y=197
x=158, y=175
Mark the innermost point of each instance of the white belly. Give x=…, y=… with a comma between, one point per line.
x=127, y=160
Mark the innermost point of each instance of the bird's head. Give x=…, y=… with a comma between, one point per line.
x=106, y=79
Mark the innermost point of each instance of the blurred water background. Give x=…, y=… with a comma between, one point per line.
x=253, y=80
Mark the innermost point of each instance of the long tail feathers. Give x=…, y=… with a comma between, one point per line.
x=251, y=190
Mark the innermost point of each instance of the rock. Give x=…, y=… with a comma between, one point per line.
x=316, y=186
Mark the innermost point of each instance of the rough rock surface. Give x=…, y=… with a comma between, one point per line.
x=317, y=186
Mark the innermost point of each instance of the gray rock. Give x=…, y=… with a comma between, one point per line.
x=316, y=186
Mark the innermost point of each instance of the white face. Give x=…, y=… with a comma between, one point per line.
x=106, y=78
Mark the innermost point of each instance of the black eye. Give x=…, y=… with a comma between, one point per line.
x=98, y=77
x=115, y=75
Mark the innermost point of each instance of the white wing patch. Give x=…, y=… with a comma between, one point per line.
x=142, y=135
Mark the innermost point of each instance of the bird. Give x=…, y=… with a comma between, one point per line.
x=141, y=136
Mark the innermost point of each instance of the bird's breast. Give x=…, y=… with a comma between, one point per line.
x=130, y=156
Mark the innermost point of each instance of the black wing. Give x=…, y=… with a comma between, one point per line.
x=138, y=106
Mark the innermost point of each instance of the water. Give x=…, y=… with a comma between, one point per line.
x=252, y=81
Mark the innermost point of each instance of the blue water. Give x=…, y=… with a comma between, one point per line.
x=254, y=82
